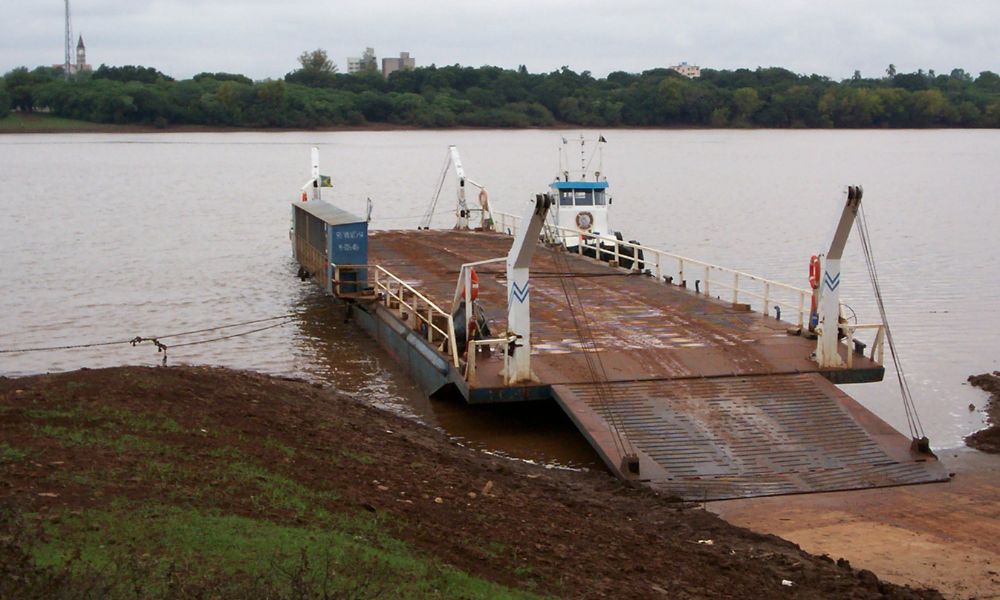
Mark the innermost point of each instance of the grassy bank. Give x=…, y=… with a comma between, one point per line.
x=17, y=122
x=196, y=482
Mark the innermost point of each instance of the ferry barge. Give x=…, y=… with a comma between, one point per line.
x=675, y=370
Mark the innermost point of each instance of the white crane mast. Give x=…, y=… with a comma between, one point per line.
x=828, y=305
x=462, y=211
x=519, y=291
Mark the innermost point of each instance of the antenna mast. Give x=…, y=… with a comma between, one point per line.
x=69, y=36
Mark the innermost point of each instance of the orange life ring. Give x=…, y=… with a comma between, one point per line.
x=473, y=283
x=814, y=272
x=584, y=220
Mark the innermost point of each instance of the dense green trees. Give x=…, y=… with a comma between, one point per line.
x=316, y=95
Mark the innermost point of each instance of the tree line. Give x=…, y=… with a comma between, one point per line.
x=316, y=95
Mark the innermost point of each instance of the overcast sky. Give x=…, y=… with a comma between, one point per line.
x=263, y=38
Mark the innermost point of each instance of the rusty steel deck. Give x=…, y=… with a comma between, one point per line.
x=718, y=402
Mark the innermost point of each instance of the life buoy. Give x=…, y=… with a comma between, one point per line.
x=473, y=283
x=814, y=269
x=584, y=220
x=305, y=198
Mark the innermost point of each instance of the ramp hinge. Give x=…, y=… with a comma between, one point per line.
x=630, y=465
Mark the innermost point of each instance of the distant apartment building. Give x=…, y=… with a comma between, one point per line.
x=367, y=62
x=689, y=71
x=391, y=65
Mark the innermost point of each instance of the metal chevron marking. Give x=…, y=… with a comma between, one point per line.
x=519, y=293
x=831, y=282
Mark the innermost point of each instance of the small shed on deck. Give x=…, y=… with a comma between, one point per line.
x=325, y=235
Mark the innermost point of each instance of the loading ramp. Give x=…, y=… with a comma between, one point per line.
x=737, y=437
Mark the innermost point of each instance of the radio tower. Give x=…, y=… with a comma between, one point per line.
x=69, y=41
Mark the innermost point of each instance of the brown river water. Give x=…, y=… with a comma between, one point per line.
x=105, y=237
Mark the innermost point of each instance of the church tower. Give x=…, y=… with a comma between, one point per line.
x=81, y=56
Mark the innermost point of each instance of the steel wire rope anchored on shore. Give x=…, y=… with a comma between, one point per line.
x=909, y=406
x=592, y=357
x=283, y=319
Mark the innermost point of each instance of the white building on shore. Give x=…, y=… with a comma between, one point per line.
x=689, y=71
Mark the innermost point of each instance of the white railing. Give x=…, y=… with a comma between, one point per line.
x=393, y=290
x=738, y=286
x=494, y=344
x=463, y=289
x=505, y=223
x=878, y=345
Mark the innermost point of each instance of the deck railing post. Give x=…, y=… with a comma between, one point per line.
x=470, y=362
x=878, y=346
x=802, y=308
x=452, y=346
x=736, y=287
x=467, y=284
x=850, y=346
x=708, y=276
x=680, y=271
x=659, y=272
x=767, y=296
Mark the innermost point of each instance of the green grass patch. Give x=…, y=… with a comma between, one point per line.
x=9, y=453
x=40, y=414
x=138, y=421
x=361, y=457
x=17, y=121
x=141, y=421
x=275, y=444
x=270, y=490
x=160, y=549
x=104, y=437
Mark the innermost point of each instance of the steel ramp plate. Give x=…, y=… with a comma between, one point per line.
x=738, y=437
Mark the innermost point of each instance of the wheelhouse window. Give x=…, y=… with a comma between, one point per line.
x=566, y=198
x=584, y=198
x=599, y=199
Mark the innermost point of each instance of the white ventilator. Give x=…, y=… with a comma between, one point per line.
x=519, y=290
x=828, y=306
x=314, y=181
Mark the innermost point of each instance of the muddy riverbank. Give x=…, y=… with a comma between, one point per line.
x=245, y=456
x=940, y=535
x=988, y=439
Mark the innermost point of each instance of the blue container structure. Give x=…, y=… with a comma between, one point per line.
x=324, y=235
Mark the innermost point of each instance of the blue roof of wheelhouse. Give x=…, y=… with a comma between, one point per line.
x=580, y=185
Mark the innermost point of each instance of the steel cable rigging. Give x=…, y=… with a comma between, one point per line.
x=912, y=418
x=425, y=222
x=590, y=350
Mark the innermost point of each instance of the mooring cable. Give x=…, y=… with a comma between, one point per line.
x=161, y=347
